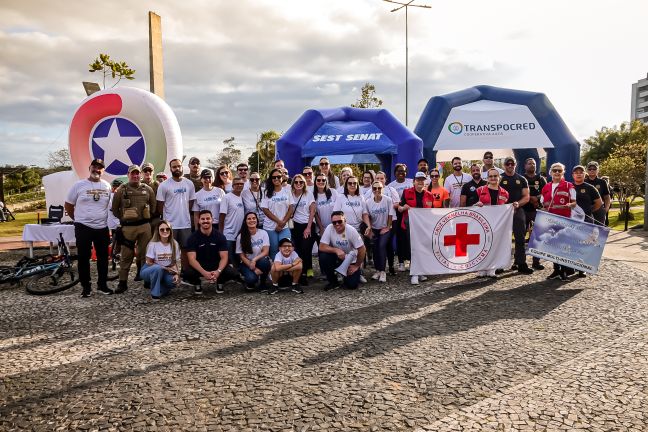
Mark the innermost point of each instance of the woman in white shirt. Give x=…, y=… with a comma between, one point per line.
x=352, y=204
x=367, y=181
x=301, y=232
x=253, y=246
x=344, y=175
x=252, y=197
x=208, y=198
x=278, y=207
x=162, y=258
x=390, y=192
x=223, y=179
x=325, y=198
x=381, y=214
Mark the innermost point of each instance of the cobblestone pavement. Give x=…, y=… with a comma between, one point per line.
x=455, y=353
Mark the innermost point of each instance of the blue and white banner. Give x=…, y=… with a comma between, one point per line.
x=349, y=137
x=568, y=242
x=460, y=240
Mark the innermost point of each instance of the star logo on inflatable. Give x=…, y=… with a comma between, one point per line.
x=120, y=143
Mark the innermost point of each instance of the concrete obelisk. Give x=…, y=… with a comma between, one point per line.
x=155, y=54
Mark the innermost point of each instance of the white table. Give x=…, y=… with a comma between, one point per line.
x=48, y=233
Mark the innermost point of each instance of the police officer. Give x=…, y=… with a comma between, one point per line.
x=469, y=195
x=134, y=204
x=518, y=189
x=603, y=189
x=536, y=183
x=194, y=173
x=147, y=176
x=587, y=198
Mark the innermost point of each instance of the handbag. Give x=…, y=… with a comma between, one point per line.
x=290, y=223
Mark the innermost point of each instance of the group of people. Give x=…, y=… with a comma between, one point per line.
x=212, y=227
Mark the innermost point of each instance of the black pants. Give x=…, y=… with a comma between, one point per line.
x=192, y=276
x=530, y=218
x=85, y=238
x=519, y=233
x=402, y=240
x=303, y=247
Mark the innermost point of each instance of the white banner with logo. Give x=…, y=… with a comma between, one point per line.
x=491, y=125
x=460, y=240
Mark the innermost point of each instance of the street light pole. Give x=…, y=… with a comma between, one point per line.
x=406, y=5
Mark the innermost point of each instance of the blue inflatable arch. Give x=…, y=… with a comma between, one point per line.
x=349, y=131
x=566, y=148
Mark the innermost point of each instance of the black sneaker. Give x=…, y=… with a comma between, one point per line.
x=554, y=275
x=537, y=266
x=563, y=276
x=105, y=290
x=499, y=271
x=155, y=298
x=569, y=272
x=263, y=288
x=514, y=267
x=250, y=288
x=198, y=290
x=581, y=274
x=303, y=280
x=122, y=286
x=296, y=288
x=524, y=269
x=274, y=289
x=137, y=277
x=87, y=292
x=219, y=289
x=331, y=286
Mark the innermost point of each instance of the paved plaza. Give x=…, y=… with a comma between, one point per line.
x=455, y=353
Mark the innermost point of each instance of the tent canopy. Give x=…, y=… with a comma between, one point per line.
x=507, y=122
x=349, y=131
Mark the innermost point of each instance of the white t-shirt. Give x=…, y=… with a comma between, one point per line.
x=162, y=253
x=258, y=240
x=378, y=212
x=280, y=258
x=112, y=221
x=252, y=203
x=325, y=207
x=346, y=241
x=91, y=202
x=278, y=205
x=353, y=207
x=453, y=184
x=176, y=196
x=302, y=210
x=209, y=200
x=232, y=208
x=364, y=190
x=400, y=187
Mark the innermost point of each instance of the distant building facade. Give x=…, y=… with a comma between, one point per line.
x=639, y=104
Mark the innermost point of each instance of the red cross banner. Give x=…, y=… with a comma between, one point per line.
x=460, y=240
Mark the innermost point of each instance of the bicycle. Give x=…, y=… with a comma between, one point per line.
x=47, y=274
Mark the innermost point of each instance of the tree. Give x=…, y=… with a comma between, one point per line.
x=229, y=156
x=115, y=69
x=261, y=160
x=59, y=159
x=367, y=97
x=605, y=141
x=626, y=167
x=31, y=180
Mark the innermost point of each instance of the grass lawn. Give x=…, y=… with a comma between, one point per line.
x=639, y=202
x=618, y=225
x=15, y=227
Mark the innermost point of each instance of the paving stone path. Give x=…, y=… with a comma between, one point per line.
x=455, y=353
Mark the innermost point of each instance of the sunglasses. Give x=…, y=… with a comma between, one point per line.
x=242, y=169
x=194, y=163
x=510, y=164
x=324, y=163
x=147, y=170
x=488, y=157
x=493, y=176
x=308, y=174
x=592, y=169
x=337, y=222
x=321, y=180
x=254, y=179
x=298, y=182
x=557, y=170
x=377, y=188
x=352, y=183
x=435, y=175
x=165, y=229
x=276, y=177
x=224, y=173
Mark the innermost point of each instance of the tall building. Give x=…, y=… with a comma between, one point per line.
x=640, y=100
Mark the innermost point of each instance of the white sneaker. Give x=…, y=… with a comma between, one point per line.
x=414, y=280
x=363, y=279
x=423, y=278
x=401, y=267
x=383, y=277
x=376, y=275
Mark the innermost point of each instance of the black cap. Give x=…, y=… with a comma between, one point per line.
x=285, y=240
x=206, y=173
x=509, y=159
x=98, y=162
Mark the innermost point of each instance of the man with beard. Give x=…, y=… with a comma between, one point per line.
x=424, y=166
x=488, y=163
x=455, y=181
x=175, y=199
x=603, y=189
x=87, y=205
x=588, y=199
x=469, y=195
x=147, y=176
x=536, y=183
x=194, y=173
x=518, y=190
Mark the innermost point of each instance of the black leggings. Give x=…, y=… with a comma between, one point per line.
x=303, y=247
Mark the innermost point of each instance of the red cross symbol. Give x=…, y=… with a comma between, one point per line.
x=461, y=240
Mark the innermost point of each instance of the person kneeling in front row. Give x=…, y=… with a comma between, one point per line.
x=162, y=257
x=207, y=253
x=286, y=268
x=341, y=249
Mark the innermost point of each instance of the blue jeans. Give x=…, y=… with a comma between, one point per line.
x=380, y=246
x=252, y=278
x=329, y=262
x=161, y=280
x=274, y=240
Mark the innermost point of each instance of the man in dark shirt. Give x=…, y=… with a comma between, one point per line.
x=207, y=253
x=587, y=198
x=518, y=190
x=469, y=191
x=603, y=189
x=194, y=173
x=536, y=183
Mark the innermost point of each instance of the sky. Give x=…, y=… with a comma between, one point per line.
x=237, y=68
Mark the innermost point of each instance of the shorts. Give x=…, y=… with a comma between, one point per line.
x=181, y=236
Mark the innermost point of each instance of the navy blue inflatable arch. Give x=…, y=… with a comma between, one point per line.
x=348, y=131
x=566, y=147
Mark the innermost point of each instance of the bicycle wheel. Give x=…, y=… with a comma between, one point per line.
x=46, y=283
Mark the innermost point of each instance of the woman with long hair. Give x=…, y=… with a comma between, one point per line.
x=253, y=247
x=162, y=257
x=441, y=195
x=278, y=208
x=325, y=168
x=302, y=231
x=223, y=178
x=352, y=204
x=325, y=198
x=367, y=182
x=252, y=197
x=558, y=197
x=381, y=214
x=344, y=175
x=390, y=192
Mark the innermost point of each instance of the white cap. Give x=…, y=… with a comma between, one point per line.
x=420, y=174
